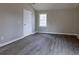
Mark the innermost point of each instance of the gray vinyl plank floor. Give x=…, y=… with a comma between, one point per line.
x=43, y=44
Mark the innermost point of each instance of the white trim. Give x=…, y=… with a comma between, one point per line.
x=59, y=33
x=5, y=43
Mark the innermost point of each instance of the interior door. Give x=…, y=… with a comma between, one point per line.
x=27, y=23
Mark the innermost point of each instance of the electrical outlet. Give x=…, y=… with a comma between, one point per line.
x=2, y=38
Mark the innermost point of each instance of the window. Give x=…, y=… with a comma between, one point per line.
x=42, y=20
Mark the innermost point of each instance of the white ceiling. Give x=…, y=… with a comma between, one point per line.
x=51, y=6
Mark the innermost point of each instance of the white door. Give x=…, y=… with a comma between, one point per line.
x=27, y=23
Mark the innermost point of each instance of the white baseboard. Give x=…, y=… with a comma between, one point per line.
x=5, y=43
x=59, y=33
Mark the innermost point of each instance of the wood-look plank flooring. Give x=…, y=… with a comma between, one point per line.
x=43, y=44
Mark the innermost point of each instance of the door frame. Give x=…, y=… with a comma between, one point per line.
x=26, y=24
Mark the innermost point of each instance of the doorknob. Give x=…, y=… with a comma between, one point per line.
x=24, y=24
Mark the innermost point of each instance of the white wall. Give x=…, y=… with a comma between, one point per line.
x=11, y=21
x=59, y=21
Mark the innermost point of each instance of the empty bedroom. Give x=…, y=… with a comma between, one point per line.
x=39, y=29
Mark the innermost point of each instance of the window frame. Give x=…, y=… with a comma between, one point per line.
x=45, y=21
